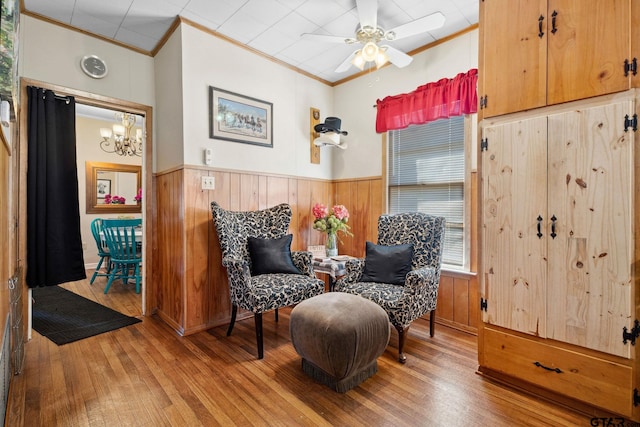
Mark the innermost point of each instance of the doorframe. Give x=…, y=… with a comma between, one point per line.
x=88, y=98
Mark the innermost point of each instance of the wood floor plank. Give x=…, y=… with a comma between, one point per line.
x=145, y=374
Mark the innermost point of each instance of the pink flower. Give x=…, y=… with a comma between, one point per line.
x=114, y=200
x=319, y=210
x=331, y=222
x=138, y=197
x=341, y=212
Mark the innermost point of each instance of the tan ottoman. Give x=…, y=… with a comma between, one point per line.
x=339, y=337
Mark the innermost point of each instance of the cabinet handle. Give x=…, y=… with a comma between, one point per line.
x=539, y=219
x=553, y=227
x=540, y=365
x=553, y=22
x=540, y=32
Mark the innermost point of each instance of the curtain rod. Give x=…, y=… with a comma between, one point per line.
x=67, y=98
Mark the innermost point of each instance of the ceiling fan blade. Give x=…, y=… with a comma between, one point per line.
x=368, y=13
x=398, y=58
x=346, y=64
x=420, y=25
x=327, y=38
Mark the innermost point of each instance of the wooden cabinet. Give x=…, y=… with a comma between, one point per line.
x=558, y=220
x=591, y=379
x=545, y=52
x=559, y=212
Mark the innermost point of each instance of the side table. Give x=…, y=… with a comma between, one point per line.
x=334, y=267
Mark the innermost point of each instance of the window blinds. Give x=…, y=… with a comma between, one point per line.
x=426, y=174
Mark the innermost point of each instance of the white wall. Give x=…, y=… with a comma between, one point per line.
x=178, y=80
x=52, y=54
x=169, y=114
x=355, y=99
x=210, y=61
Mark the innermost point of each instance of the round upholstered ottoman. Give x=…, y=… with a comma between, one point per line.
x=339, y=337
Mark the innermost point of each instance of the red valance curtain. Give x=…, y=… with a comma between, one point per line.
x=429, y=102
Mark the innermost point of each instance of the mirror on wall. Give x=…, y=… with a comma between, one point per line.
x=112, y=187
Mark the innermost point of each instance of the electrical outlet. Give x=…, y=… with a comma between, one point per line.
x=208, y=183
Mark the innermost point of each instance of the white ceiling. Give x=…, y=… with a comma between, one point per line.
x=270, y=26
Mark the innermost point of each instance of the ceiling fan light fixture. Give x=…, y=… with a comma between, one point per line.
x=381, y=58
x=358, y=60
x=370, y=51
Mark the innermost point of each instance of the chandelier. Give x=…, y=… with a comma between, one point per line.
x=371, y=52
x=119, y=140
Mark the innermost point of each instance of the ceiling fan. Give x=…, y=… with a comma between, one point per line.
x=369, y=35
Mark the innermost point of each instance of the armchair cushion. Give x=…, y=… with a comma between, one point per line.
x=270, y=256
x=387, y=264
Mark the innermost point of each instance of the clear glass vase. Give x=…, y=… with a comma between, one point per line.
x=332, y=244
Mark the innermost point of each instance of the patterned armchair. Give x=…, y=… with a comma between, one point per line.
x=267, y=291
x=419, y=293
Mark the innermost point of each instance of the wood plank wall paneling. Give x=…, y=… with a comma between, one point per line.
x=190, y=285
x=5, y=237
x=169, y=280
x=196, y=223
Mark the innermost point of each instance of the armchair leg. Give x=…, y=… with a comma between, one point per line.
x=402, y=334
x=432, y=322
x=276, y=314
x=258, y=320
x=234, y=311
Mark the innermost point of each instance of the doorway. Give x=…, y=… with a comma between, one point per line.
x=109, y=164
x=107, y=104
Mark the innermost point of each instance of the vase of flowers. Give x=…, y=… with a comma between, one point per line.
x=331, y=222
x=138, y=196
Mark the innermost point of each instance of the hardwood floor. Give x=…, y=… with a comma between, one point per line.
x=147, y=375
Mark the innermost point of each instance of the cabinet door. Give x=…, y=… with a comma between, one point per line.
x=587, y=50
x=514, y=67
x=514, y=185
x=635, y=39
x=590, y=260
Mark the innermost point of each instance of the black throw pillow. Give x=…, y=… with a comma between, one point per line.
x=271, y=256
x=387, y=264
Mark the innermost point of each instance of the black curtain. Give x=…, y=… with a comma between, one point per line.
x=54, y=243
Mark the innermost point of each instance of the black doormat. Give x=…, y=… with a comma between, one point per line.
x=64, y=317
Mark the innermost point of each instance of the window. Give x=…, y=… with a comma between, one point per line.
x=426, y=173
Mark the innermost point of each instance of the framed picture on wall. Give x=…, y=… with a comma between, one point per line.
x=103, y=187
x=240, y=118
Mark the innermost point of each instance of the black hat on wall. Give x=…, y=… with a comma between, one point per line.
x=331, y=124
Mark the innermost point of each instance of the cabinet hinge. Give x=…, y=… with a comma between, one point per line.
x=631, y=122
x=630, y=67
x=632, y=334
x=484, y=144
x=636, y=397
x=483, y=102
x=483, y=304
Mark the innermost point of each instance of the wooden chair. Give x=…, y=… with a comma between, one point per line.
x=126, y=257
x=103, y=250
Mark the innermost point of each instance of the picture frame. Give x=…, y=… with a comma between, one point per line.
x=103, y=187
x=240, y=118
